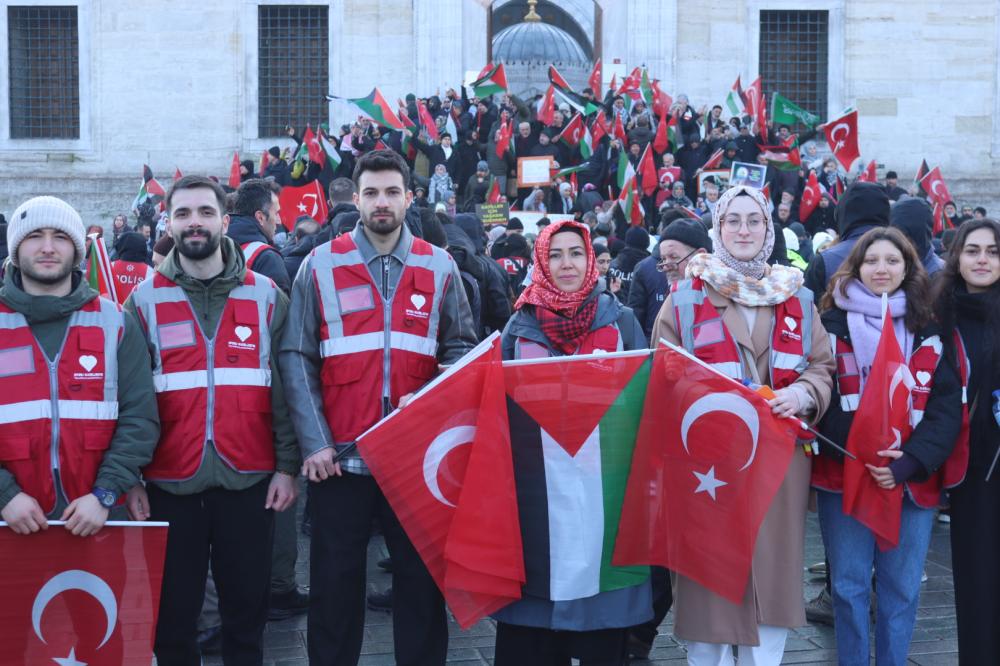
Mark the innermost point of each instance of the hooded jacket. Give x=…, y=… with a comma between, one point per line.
x=862, y=207
x=131, y=246
x=245, y=230
x=496, y=295
x=208, y=301
x=138, y=427
x=647, y=291
x=914, y=218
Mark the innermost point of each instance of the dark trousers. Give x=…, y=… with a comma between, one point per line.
x=663, y=599
x=342, y=511
x=233, y=531
x=286, y=550
x=975, y=549
x=534, y=646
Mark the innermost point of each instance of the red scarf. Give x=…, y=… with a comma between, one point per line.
x=565, y=317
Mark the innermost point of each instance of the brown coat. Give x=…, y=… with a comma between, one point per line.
x=774, y=593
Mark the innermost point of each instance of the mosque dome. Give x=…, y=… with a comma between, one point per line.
x=535, y=41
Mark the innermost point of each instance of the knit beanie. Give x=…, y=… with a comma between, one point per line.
x=688, y=232
x=45, y=213
x=638, y=238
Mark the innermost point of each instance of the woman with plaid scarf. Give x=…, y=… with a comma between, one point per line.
x=565, y=311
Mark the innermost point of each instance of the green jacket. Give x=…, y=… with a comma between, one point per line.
x=138, y=426
x=208, y=301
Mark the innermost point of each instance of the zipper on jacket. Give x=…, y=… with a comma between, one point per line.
x=210, y=369
x=53, y=367
x=386, y=346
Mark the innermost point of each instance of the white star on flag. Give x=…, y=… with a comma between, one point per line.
x=302, y=207
x=71, y=660
x=707, y=483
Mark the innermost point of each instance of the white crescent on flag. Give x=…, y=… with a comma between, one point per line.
x=442, y=445
x=723, y=402
x=76, y=579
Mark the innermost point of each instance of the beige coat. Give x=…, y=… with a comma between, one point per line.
x=774, y=592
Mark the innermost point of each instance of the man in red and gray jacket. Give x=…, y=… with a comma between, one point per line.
x=373, y=314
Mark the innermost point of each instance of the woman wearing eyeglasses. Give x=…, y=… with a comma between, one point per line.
x=967, y=299
x=752, y=322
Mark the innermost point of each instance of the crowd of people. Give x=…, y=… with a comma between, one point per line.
x=254, y=354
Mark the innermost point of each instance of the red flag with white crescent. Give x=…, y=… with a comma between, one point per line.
x=869, y=174
x=881, y=422
x=709, y=459
x=81, y=600
x=306, y=200
x=594, y=81
x=452, y=484
x=842, y=136
x=933, y=183
x=547, y=107
x=810, y=197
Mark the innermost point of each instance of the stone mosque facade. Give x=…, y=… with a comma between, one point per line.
x=179, y=84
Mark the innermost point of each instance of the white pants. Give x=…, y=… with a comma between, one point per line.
x=768, y=653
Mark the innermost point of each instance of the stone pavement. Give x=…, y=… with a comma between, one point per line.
x=934, y=639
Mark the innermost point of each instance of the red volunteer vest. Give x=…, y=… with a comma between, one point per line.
x=80, y=413
x=127, y=275
x=705, y=335
x=253, y=250
x=828, y=474
x=365, y=340
x=214, y=387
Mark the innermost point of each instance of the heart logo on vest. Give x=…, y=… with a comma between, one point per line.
x=418, y=301
x=243, y=332
x=923, y=377
x=791, y=323
x=88, y=362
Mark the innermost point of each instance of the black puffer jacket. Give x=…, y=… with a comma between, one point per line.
x=245, y=230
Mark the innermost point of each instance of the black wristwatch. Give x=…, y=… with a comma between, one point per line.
x=106, y=497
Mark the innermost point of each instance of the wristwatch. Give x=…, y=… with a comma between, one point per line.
x=106, y=497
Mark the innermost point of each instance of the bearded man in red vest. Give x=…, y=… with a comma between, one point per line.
x=226, y=458
x=77, y=413
x=373, y=314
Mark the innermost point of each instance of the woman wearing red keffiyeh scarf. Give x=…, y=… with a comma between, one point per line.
x=565, y=311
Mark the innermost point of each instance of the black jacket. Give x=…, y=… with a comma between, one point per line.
x=647, y=292
x=295, y=255
x=497, y=296
x=245, y=230
x=932, y=441
x=622, y=267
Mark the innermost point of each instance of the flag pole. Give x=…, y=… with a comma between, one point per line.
x=802, y=424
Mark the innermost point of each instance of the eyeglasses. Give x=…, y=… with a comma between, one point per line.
x=665, y=266
x=735, y=224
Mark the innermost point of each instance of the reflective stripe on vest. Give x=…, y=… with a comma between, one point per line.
x=210, y=387
x=59, y=414
x=252, y=250
x=388, y=347
x=704, y=334
x=848, y=374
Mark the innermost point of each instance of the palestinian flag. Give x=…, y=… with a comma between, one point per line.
x=734, y=100
x=625, y=169
x=493, y=194
x=99, y=274
x=922, y=171
x=782, y=157
x=177, y=174
x=149, y=189
x=427, y=121
x=450, y=128
x=562, y=173
x=409, y=131
x=330, y=154
x=573, y=423
x=566, y=93
x=646, y=90
x=376, y=107
x=556, y=79
x=492, y=80
x=586, y=143
x=631, y=204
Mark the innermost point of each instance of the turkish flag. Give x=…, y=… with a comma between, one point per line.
x=810, y=197
x=619, y=131
x=933, y=184
x=661, y=100
x=305, y=200
x=444, y=464
x=427, y=121
x=882, y=421
x=594, y=81
x=313, y=147
x=647, y=171
x=503, y=143
x=673, y=174
x=547, y=107
x=752, y=98
x=714, y=160
x=234, y=172
x=869, y=175
x=81, y=600
x=842, y=136
x=599, y=129
x=709, y=459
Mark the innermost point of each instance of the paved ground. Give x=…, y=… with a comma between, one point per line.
x=934, y=641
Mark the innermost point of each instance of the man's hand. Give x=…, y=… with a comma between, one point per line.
x=281, y=492
x=24, y=515
x=85, y=516
x=320, y=466
x=137, y=503
x=785, y=403
x=883, y=475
